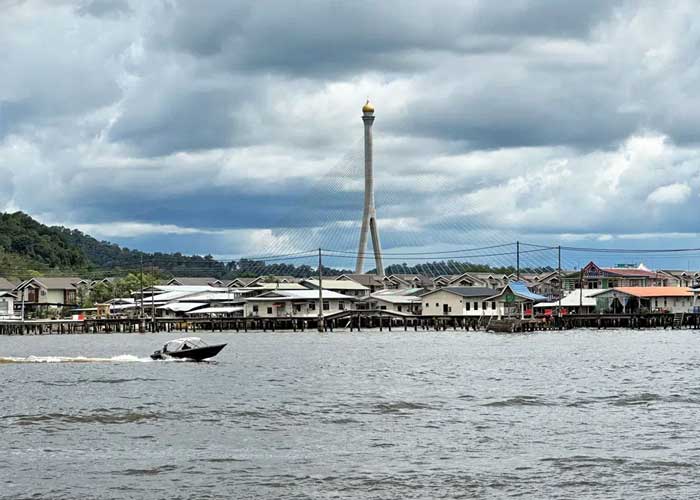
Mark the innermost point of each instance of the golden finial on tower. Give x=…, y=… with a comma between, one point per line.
x=368, y=108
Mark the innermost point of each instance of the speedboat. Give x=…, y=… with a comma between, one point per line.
x=188, y=348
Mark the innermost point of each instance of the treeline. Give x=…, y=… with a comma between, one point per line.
x=436, y=268
x=29, y=248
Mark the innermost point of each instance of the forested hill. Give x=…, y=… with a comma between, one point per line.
x=26, y=244
x=29, y=248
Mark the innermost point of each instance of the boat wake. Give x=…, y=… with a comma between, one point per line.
x=122, y=358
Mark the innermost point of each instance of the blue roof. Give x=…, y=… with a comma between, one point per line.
x=520, y=289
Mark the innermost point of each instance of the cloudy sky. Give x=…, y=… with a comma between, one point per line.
x=233, y=128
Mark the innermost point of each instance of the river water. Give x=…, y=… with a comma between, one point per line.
x=577, y=414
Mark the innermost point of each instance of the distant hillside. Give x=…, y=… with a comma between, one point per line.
x=26, y=244
x=35, y=243
x=29, y=248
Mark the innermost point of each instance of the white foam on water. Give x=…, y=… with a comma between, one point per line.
x=122, y=358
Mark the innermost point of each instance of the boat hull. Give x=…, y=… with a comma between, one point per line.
x=198, y=354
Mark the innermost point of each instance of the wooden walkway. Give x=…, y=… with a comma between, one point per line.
x=349, y=320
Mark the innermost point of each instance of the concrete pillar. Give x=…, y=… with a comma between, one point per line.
x=369, y=215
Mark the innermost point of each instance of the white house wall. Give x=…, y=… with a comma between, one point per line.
x=306, y=309
x=433, y=305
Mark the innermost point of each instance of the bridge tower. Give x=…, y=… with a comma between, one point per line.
x=369, y=216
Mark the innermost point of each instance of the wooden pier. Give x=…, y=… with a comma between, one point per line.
x=352, y=321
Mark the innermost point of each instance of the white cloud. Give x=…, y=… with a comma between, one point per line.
x=672, y=194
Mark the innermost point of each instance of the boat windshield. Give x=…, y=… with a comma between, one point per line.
x=184, y=344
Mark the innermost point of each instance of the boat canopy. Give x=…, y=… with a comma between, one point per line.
x=184, y=343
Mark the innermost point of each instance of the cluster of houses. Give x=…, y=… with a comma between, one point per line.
x=592, y=289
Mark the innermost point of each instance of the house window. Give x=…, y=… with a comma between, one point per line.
x=312, y=306
x=297, y=307
x=467, y=305
x=484, y=305
x=493, y=305
x=437, y=304
x=326, y=305
x=341, y=306
x=476, y=306
x=255, y=309
x=382, y=308
x=269, y=310
x=398, y=308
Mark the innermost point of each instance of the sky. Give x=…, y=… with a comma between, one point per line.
x=234, y=129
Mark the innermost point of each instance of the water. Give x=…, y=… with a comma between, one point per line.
x=580, y=414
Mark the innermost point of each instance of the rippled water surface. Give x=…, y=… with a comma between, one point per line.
x=581, y=414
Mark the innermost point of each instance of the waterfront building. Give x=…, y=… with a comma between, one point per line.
x=443, y=280
x=7, y=305
x=471, y=280
x=516, y=299
x=345, y=287
x=595, y=277
x=641, y=299
x=7, y=285
x=406, y=281
x=371, y=281
x=48, y=292
x=262, y=287
x=681, y=278
x=262, y=281
x=296, y=304
x=241, y=282
x=545, y=284
x=406, y=301
x=579, y=301
x=459, y=301
x=196, y=281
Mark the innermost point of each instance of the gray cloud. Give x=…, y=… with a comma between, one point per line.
x=531, y=117
x=103, y=8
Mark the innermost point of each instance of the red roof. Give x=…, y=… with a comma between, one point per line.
x=641, y=273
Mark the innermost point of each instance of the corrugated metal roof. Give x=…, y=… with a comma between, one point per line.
x=574, y=299
x=395, y=299
x=275, y=286
x=520, y=289
x=631, y=272
x=300, y=295
x=6, y=284
x=336, y=284
x=465, y=291
x=182, y=306
x=364, y=279
x=211, y=310
x=201, y=281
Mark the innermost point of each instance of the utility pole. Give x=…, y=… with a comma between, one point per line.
x=559, y=277
x=321, y=325
x=22, y=292
x=153, y=303
x=517, y=266
x=143, y=321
